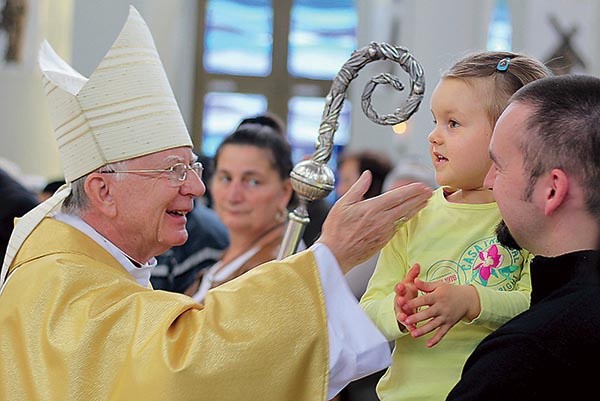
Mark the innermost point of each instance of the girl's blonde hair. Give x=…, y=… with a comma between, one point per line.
x=507, y=72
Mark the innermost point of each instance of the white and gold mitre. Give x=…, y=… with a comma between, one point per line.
x=126, y=109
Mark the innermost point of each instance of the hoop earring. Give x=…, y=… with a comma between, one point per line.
x=281, y=215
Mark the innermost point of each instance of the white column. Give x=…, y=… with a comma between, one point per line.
x=27, y=136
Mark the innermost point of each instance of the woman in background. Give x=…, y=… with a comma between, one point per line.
x=251, y=192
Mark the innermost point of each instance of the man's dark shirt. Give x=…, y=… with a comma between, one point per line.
x=549, y=352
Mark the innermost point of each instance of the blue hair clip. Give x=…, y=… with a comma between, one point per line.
x=503, y=64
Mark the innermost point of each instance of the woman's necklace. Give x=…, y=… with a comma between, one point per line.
x=259, y=241
x=225, y=268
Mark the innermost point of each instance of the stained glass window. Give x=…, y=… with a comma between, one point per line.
x=239, y=37
x=223, y=112
x=322, y=37
x=255, y=54
x=304, y=118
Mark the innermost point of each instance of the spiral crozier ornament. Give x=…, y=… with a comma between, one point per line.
x=312, y=179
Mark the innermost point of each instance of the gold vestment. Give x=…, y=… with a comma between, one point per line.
x=75, y=325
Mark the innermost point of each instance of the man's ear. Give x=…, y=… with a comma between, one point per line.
x=556, y=191
x=99, y=192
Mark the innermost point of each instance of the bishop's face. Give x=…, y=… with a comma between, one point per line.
x=151, y=208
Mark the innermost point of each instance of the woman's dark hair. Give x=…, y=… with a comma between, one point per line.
x=267, y=119
x=263, y=132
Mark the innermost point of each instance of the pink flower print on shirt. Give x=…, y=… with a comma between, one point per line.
x=490, y=260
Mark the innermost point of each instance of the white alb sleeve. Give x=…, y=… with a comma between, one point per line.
x=356, y=347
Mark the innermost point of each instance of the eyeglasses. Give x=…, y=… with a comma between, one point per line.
x=177, y=172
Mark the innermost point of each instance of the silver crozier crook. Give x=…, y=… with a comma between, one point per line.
x=312, y=179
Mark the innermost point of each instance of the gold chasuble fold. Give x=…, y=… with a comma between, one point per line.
x=76, y=326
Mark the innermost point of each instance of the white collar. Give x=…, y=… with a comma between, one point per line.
x=140, y=274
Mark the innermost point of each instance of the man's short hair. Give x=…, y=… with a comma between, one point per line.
x=563, y=131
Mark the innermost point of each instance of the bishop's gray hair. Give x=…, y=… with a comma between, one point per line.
x=78, y=201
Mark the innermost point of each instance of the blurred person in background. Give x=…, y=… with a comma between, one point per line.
x=352, y=163
x=50, y=188
x=408, y=170
x=16, y=200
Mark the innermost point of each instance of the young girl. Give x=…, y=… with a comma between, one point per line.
x=478, y=284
